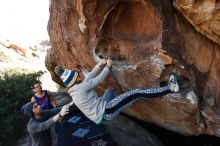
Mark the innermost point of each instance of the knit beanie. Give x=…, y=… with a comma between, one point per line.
x=28, y=108
x=68, y=76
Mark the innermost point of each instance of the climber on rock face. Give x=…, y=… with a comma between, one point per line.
x=111, y=103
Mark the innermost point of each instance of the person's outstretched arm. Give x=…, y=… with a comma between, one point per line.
x=96, y=69
x=45, y=125
x=92, y=83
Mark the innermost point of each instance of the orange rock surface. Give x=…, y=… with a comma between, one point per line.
x=147, y=40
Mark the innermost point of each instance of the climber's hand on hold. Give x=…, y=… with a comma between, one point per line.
x=109, y=62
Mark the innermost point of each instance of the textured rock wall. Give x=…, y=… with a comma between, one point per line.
x=204, y=15
x=147, y=40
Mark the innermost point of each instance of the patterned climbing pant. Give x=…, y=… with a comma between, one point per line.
x=117, y=103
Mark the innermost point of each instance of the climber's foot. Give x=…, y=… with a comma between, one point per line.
x=173, y=84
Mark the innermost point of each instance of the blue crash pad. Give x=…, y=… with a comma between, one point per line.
x=77, y=130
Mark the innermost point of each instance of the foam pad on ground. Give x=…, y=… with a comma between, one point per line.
x=77, y=129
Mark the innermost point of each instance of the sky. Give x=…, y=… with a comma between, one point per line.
x=24, y=21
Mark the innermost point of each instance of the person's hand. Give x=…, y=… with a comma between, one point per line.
x=109, y=62
x=64, y=110
x=102, y=62
x=70, y=104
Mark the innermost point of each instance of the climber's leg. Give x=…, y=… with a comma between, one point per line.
x=123, y=101
x=109, y=95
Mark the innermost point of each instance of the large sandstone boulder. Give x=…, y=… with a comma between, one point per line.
x=204, y=15
x=147, y=40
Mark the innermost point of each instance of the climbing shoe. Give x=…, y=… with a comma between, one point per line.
x=173, y=84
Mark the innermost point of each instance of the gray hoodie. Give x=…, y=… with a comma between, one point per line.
x=39, y=129
x=86, y=98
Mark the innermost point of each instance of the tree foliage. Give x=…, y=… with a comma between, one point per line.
x=15, y=90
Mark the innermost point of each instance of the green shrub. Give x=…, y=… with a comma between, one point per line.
x=15, y=90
